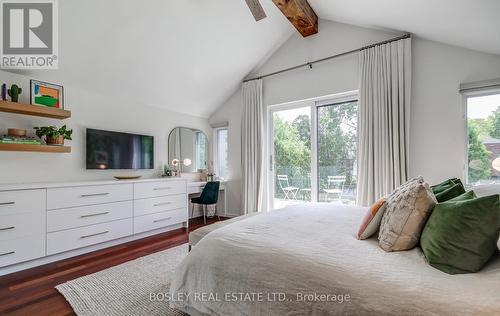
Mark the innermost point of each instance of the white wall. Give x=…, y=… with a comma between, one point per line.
x=335, y=76
x=231, y=112
x=93, y=110
x=437, y=130
x=438, y=134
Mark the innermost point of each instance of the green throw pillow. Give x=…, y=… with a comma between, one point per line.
x=461, y=236
x=466, y=196
x=445, y=185
x=450, y=193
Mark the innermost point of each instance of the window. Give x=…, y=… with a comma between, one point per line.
x=313, y=151
x=200, y=150
x=483, y=148
x=220, y=153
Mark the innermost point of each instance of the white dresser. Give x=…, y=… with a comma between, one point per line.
x=44, y=223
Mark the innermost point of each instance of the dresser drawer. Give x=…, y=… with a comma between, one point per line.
x=23, y=201
x=68, y=218
x=158, y=220
x=159, y=204
x=88, y=195
x=23, y=249
x=85, y=236
x=155, y=189
x=21, y=225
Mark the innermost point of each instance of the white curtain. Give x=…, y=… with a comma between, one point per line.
x=252, y=146
x=383, y=119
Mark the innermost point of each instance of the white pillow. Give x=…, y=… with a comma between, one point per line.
x=486, y=189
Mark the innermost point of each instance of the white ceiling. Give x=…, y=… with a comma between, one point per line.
x=188, y=56
x=473, y=24
x=191, y=55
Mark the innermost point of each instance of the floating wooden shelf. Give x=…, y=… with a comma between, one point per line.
x=35, y=148
x=33, y=110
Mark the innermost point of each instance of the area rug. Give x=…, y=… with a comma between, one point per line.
x=134, y=288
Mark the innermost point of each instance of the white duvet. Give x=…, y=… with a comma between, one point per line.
x=247, y=267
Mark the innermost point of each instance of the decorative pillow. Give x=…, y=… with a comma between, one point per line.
x=450, y=193
x=371, y=221
x=445, y=185
x=406, y=213
x=486, y=189
x=461, y=236
x=469, y=195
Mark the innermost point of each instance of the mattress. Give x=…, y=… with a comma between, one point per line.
x=198, y=234
x=305, y=260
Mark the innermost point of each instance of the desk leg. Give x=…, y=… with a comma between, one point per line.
x=225, y=202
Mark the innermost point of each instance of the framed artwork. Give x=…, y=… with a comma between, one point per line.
x=46, y=94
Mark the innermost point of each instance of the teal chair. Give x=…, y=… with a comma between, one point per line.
x=209, y=196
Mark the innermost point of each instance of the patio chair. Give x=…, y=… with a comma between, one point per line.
x=335, y=187
x=289, y=191
x=306, y=192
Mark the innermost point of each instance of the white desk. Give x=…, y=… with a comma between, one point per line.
x=195, y=188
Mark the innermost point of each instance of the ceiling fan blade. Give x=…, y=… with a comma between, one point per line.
x=256, y=9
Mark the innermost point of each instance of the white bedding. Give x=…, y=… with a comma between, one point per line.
x=312, y=249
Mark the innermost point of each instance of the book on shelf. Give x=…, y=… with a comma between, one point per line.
x=19, y=140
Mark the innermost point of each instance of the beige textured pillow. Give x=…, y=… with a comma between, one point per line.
x=407, y=210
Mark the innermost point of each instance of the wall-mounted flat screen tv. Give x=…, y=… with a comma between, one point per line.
x=113, y=150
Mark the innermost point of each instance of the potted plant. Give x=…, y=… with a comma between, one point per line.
x=53, y=135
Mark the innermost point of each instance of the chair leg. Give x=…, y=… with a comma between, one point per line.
x=192, y=210
x=286, y=194
x=204, y=214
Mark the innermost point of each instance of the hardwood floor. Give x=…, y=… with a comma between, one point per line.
x=32, y=292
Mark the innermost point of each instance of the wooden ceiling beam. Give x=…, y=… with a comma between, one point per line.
x=300, y=14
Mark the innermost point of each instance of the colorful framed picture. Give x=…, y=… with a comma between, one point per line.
x=46, y=94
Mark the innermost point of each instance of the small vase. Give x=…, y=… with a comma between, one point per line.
x=55, y=141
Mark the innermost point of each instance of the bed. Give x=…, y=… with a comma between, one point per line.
x=305, y=260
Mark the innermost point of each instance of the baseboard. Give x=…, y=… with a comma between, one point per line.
x=231, y=215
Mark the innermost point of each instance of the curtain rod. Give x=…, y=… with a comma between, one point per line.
x=407, y=35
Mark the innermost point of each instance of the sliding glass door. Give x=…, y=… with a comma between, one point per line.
x=313, y=151
x=337, y=140
x=291, y=156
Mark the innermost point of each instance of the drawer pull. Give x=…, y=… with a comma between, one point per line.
x=7, y=253
x=161, y=204
x=7, y=228
x=93, y=235
x=7, y=203
x=95, y=194
x=164, y=188
x=162, y=220
x=92, y=215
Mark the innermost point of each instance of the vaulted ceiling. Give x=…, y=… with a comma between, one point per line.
x=191, y=55
x=183, y=55
x=473, y=24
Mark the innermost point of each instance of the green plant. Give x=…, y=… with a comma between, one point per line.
x=479, y=156
x=14, y=92
x=53, y=132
